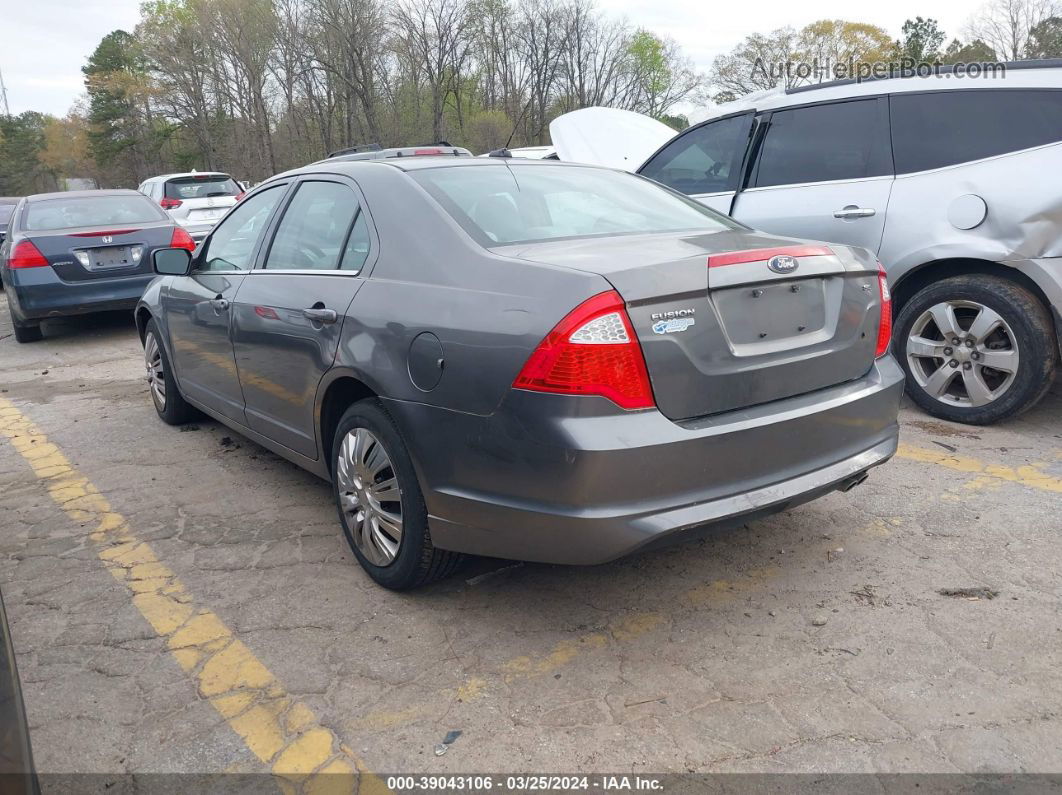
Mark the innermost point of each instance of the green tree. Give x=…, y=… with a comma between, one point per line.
x=21, y=144
x=1045, y=39
x=920, y=41
x=974, y=52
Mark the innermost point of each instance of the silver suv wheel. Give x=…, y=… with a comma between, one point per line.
x=962, y=353
x=370, y=496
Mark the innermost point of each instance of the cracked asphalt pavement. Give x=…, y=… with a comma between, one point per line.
x=817, y=640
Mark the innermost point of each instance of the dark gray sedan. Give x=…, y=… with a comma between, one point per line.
x=80, y=251
x=524, y=359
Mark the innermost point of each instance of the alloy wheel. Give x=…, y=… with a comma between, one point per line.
x=962, y=353
x=156, y=374
x=370, y=496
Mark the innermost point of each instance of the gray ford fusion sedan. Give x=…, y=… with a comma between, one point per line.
x=524, y=359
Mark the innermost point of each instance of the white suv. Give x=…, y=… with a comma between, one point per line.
x=195, y=200
x=952, y=180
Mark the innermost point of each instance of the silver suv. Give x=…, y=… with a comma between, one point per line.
x=196, y=200
x=951, y=180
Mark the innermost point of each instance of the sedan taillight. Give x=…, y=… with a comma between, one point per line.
x=885, y=323
x=181, y=239
x=592, y=351
x=26, y=255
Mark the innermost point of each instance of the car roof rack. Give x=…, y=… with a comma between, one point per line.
x=1042, y=63
x=376, y=152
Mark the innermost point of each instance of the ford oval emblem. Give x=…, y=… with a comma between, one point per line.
x=782, y=264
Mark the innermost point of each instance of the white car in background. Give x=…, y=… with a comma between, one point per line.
x=196, y=200
x=952, y=182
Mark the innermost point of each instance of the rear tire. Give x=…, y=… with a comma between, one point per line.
x=24, y=332
x=971, y=391
x=370, y=464
x=170, y=405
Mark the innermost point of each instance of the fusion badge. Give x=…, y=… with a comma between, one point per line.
x=673, y=321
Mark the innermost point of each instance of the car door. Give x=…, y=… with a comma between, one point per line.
x=822, y=172
x=704, y=162
x=289, y=312
x=198, y=306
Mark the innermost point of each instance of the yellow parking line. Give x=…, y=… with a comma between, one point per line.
x=282, y=732
x=1031, y=476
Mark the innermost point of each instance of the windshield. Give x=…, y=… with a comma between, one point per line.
x=91, y=211
x=201, y=186
x=522, y=203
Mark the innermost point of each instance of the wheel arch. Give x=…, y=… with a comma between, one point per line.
x=342, y=390
x=935, y=270
x=143, y=315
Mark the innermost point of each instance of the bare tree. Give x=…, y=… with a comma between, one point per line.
x=1004, y=25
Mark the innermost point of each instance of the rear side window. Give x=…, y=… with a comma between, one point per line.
x=201, y=186
x=68, y=213
x=846, y=140
x=518, y=203
x=704, y=160
x=313, y=232
x=949, y=127
x=6, y=211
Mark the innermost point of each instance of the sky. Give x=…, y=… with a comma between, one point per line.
x=46, y=42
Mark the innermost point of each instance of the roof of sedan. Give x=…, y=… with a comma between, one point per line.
x=434, y=161
x=81, y=194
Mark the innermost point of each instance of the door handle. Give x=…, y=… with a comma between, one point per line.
x=219, y=304
x=851, y=211
x=320, y=315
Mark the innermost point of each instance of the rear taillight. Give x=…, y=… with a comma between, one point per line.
x=592, y=351
x=240, y=195
x=26, y=255
x=169, y=204
x=885, y=324
x=181, y=239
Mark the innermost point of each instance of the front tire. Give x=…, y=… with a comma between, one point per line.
x=380, y=504
x=170, y=405
x=976, y=349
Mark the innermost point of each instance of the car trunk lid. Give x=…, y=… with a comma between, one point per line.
x=720, y=329
x=95, y=253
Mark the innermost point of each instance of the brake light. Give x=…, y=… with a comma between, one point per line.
x=26, y=255
x=885, y=323
x=181, y=239
x=427, y=151
x=592, y=351
x=240, y=195
x=760, y=254
x=169, y=204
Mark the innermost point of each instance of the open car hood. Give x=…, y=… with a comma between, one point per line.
x=608, y=137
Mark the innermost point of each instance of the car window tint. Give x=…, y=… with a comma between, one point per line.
x=232, y=243
x=314, y=228
x=511, y=203
x=201, y=186
x=704, y=160
x=845, y=140
x=357, y=248
x=949, y=127
x=67, y=213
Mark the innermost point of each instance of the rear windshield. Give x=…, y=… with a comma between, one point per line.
x=523, y=203
x=201, y=186
x=91, y=211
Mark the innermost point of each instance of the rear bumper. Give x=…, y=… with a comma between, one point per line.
x=198, y=229
x=568, y=480
x=39, y=293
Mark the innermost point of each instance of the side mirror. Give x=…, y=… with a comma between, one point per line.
x=172, y=261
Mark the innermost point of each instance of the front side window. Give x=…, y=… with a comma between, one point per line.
x=232, y=243
x=68, y=213
x=706, y=159
x=517, y=203
x=313, y=231
x=845, y=140
x=949, y=127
